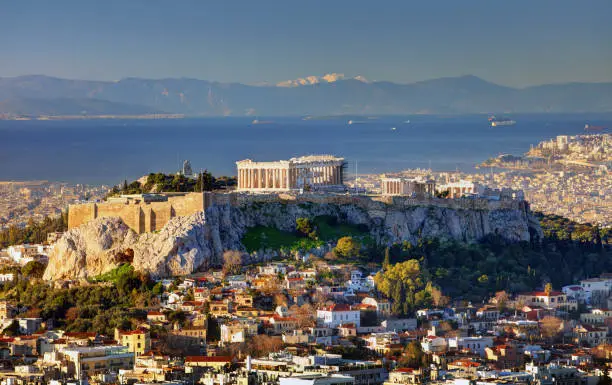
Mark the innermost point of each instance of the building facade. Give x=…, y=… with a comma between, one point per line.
x=137, y=341
x=92, y=360
x=338, y=314
x=461, y=188
x=548, y=300
x=306, y=172
x=408, y=187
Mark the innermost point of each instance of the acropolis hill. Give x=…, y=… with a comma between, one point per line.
x=179, y=234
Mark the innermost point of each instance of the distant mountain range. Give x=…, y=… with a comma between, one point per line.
x=332, y=94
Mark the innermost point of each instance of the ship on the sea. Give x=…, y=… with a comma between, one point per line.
x=591, y=128
x=495, y=122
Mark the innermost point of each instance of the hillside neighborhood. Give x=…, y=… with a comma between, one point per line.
x=313, y=322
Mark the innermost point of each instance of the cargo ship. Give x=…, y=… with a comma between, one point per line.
x=495, y=122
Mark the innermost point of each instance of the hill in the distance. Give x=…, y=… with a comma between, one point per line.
x=327, y=95
x=69, y=106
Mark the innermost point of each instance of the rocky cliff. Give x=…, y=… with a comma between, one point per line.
x=195, y=242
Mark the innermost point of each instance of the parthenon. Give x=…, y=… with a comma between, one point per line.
x=313, y=171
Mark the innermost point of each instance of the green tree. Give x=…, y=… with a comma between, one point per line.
x=386, y=263
x=205, y=181
x=158, y=289
x=347, y=247
x=412, y=356
x=12, y=330
x=33, y=269
x=304, y=227
x=177, y=316
x=548, y=288
x=484, y=279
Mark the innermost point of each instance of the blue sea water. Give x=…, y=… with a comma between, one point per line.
x=108, y=151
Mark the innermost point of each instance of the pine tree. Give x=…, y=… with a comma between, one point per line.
x=399, y=298
x=386, y=262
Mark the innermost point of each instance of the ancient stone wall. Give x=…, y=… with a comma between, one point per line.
x=139, y=216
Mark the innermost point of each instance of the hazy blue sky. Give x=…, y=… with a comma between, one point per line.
x=511, y=42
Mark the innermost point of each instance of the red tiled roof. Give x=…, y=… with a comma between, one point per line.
x=544, y=294
x=465, y=363
x=156, y=313
x=208, y=359
x=132, y=332
x=348, y=326
x=404, y=370
x=193, y=303
x=26, y=338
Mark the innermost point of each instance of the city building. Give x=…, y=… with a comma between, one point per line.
x=137, y=341
x=318, y=379
x=92, y=360
x=405, y=376
x=548, y=300
x=306, y=172
x=596, y=289
x=473, y=344
x=215, y=362
x=337, y=314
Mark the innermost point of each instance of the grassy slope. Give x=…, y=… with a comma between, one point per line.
x=260, y=237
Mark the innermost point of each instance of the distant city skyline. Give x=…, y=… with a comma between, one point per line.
x=518, y=44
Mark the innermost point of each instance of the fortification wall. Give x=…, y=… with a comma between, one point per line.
x=139, y=216
x=81, y=213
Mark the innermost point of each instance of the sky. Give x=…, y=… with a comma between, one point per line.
x=516, y=43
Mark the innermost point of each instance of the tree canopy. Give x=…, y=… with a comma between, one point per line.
x=347, y=247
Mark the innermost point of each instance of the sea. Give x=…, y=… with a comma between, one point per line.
x=109, y=151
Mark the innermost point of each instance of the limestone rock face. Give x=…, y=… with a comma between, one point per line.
x=180, y=248
x=191, y=243
x=89, y=250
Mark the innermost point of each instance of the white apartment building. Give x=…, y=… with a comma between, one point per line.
x=338, y=314
x=473, y=344
x=595, y=288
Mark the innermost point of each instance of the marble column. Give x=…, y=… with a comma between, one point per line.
x=286, y=177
